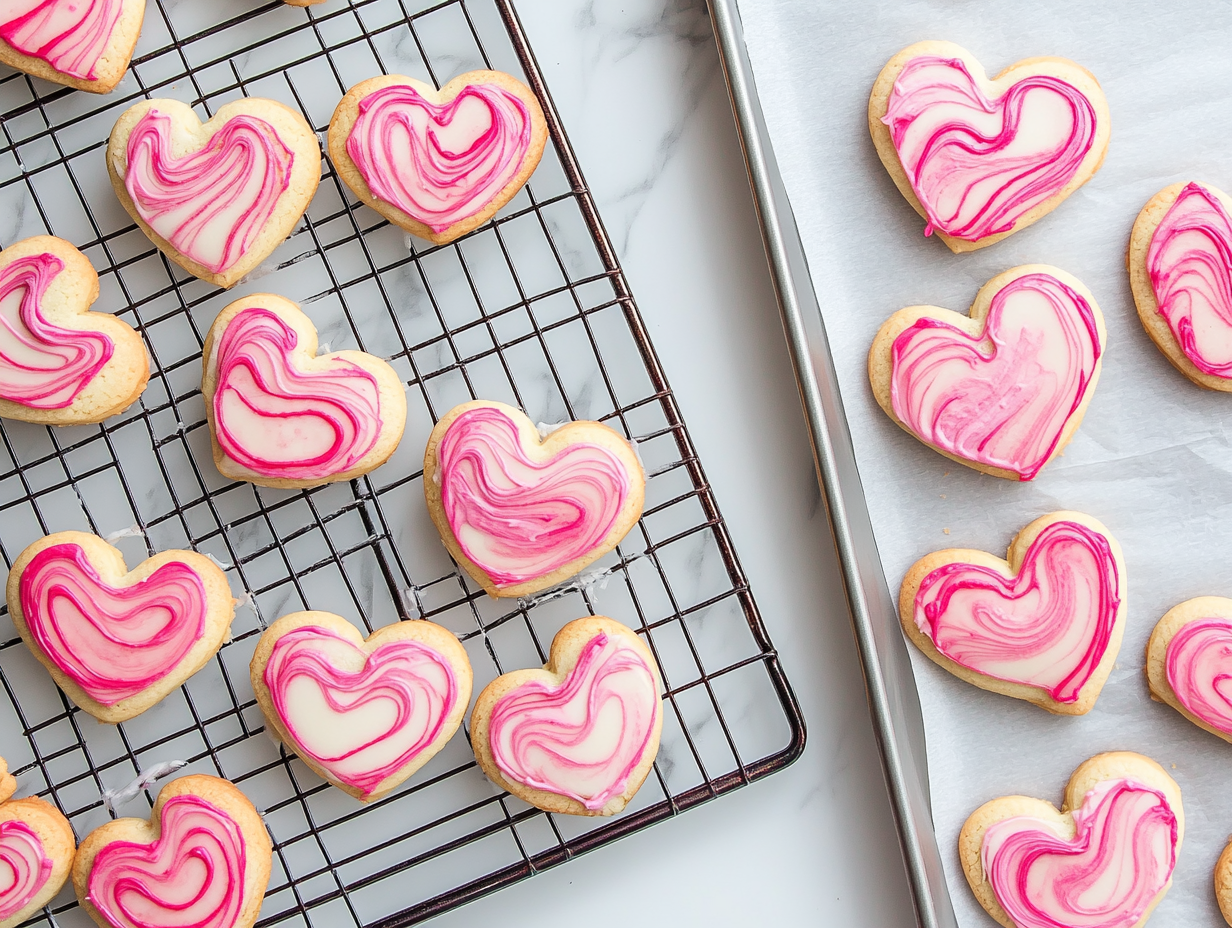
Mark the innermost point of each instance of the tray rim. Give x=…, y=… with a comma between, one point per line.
x=893, y=699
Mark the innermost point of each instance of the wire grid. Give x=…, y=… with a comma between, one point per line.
x=532, y=309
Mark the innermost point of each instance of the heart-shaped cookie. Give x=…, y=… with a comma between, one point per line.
x=1001, y=390
x=1106, y=859
x=61, y=364
x=521, y=513
x=363, y=714
x=1044, y=625
x=980, y=159
x=85, y=44
x=117, y=641
x=203, y=859
x=282, y=416
x=1223, y=883
x=437, y=163
x=1180, y=270
x=1189, y=662
x=217, y=197
x=36, y=852
x=580, y=735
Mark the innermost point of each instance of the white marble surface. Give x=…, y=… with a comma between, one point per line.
x=640, y=90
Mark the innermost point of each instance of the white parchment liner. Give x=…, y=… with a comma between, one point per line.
x=1153, y=458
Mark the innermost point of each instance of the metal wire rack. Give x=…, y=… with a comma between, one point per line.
x=532, y=308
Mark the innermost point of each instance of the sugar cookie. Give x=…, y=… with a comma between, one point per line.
x=216, y=197
x=85, y=44
x=36, y=852
x=1180, y=271
x=437, y=163
x=60, y=363
x=282, y=416
x=980, y=159
x=1044, y=625
x=1110, y=851
x=580, y=735
x=202, y=859
x=1003, y=389
x=521, y=513
x=1189, y=659
x=117, y=641
x=364, y=714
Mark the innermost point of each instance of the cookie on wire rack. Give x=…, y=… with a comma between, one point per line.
x=438, y=163
x=202, y=858
x=36, y=852
x=86, y=44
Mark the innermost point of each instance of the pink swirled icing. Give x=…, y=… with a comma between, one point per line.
x=113, y=642
x=210, y=204
x=42, y=365
x=361, y=726
x=191, y=877
x=1190, y=265
x=283, y=422
x=1002, y=398
x=583, y=737
x=517, y=518
x=978, y=165
x=440, y=163
x=24, y=867
x=1198, y=662
x=1120, y=858
x=1047, y=627
x=70, y=35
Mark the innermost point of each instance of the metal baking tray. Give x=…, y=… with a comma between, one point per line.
x=532, y=308
x=889, y=681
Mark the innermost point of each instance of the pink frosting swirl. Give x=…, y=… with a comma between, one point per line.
x=362, y=727
x=583, y=737
x=191, y=877
x=1120, y=858
x=516, y=518
x=1047, y=627
x=283, y=422
x=440, y=163
x=70, y=35
x=1198, y=662
x=1190, y=265
x=42, y=365
x=978, y=165
x=24, y=867
x=210, y=204
x=1002, y=398
x=113, y=642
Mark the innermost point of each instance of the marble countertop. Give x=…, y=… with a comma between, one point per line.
x=641, y=93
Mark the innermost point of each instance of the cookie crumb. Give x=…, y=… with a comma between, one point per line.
x=943, y=496
x=946, y=530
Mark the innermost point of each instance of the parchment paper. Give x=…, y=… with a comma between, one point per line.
x=1152, y=458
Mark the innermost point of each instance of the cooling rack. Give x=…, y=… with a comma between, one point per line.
x=532, y=309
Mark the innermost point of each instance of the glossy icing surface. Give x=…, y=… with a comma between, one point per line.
x=1047, y=627
x=976, y=164
x=191, y=877
x=113, y=642
x=440, y=163
x=518, y=518
x=1198, y=664
x=1106, y=876
x=361, y=717
x=42, y=365
x=583, y=737
x=24, y=866
x=1002, y=398
x=1190, y=264
x=70, y=35
x=283, y=422
x=210, y=204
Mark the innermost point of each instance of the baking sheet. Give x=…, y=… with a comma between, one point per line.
x=1152, y=457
